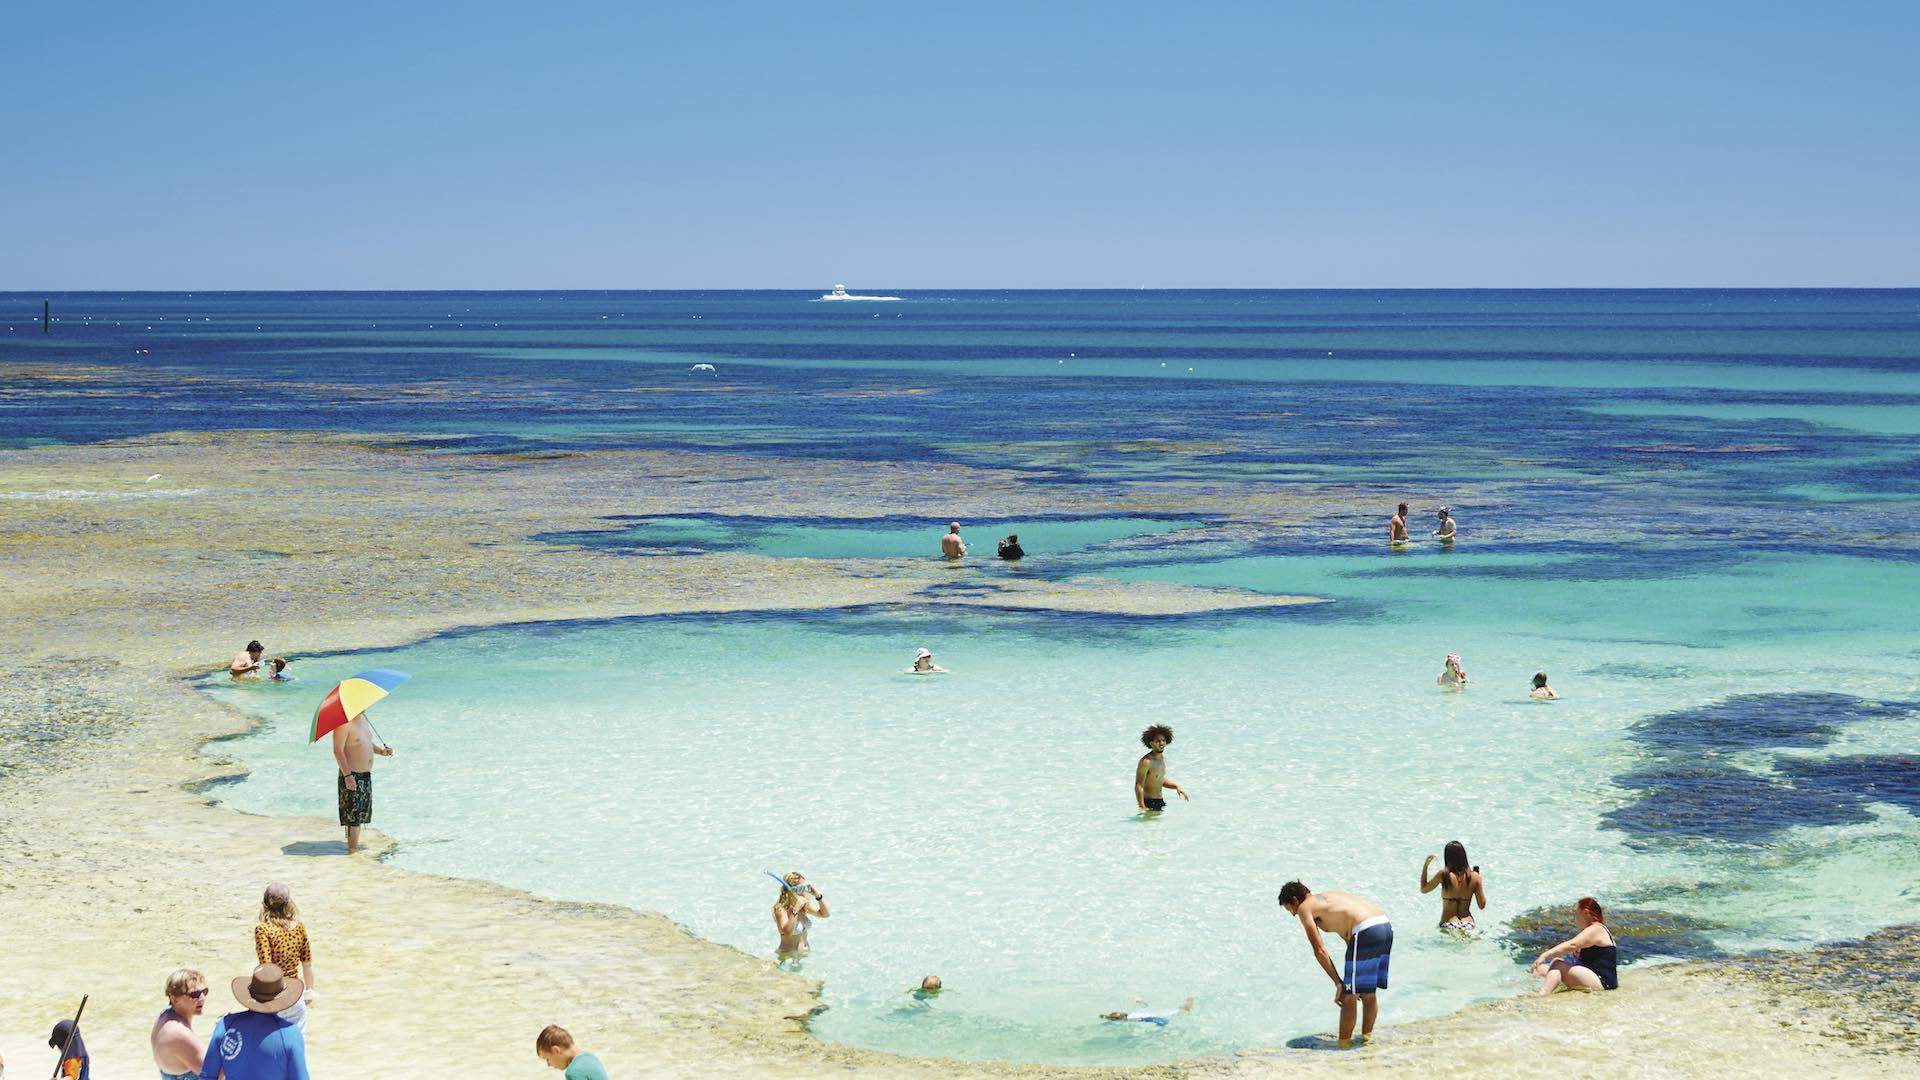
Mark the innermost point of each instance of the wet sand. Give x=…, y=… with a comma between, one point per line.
x=115, y=866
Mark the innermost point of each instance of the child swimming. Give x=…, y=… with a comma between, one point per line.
x=1455, y=676
x=1159, y=1017
x=923, y=664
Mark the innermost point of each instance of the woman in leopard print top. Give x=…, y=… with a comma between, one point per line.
x=281, y=938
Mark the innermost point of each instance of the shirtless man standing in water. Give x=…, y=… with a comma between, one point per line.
x=354, y=746
x=1397, y=526
x=951, y=546
x=1369, y=937
x=1151, y=775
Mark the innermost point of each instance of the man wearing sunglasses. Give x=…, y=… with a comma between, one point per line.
x=176, y=1049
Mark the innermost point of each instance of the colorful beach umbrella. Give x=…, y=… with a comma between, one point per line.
x=352, y=697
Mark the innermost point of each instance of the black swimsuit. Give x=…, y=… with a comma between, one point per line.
x=1602, y=960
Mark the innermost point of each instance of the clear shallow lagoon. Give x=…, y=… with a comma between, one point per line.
x=979, y=824
x=1693, y=509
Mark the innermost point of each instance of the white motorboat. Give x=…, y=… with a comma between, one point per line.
x=840, y=293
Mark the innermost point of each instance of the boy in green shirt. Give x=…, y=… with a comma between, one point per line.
x=556, y=1048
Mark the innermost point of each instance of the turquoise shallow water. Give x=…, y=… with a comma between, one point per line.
x=979, y=825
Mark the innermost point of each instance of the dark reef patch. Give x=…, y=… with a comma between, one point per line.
x=1640, y=671
x=1891, y=778
x=1686, y=792
x=1639, y=932
x=1681, y=803
x=1758, y=722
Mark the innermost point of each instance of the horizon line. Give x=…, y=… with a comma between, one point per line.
x=988, y=289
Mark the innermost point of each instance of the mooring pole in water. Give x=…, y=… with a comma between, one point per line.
x=46, y=316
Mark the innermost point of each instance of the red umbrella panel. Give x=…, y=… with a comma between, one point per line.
x=352, y=697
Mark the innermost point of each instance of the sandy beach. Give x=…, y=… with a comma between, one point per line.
x=117, y=866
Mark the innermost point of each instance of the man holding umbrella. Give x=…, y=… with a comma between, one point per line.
x=355, y=743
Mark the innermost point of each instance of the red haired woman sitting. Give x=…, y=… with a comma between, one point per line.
x=1585, y=961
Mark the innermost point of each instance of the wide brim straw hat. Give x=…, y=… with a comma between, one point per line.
x=268, y=990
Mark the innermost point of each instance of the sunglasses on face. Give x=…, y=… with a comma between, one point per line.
x=197, y=994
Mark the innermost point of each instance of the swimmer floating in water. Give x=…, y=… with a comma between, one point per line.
x=928, y=989
x=277, y=670
x=1541, y=691
x=1455, y=676
x=923, y=664
x=1160, y=1017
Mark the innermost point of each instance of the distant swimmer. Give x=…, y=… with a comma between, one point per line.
x=247, y=661
x=1447, y=527
x=1369, y=937
x=1151, y=775
x=1160, y=1017
x=1586, y=961
x=1455, y=676
x=923, y=664
x=951, y=546
x=1541, y=691
x=1460, y=886
x=1397, y=526
x=928, y=989
x=1010, y=548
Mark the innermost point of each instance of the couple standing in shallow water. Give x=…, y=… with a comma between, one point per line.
x=1397, y=526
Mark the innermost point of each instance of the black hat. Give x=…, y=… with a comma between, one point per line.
x=58, y=1039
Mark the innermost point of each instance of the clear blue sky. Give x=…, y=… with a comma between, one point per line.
x=482, y=145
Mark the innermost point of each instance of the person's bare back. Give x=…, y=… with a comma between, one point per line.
x=951, y=546
x=1338, y=912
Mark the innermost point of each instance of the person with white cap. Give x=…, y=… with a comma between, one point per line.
x=254, y=1043
x=923, y=664
x=1447, y=527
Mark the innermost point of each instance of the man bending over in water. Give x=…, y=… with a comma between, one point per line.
x=247, y=661
x=1369, y=938
x=1151, y=775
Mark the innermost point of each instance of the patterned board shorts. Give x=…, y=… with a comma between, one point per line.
x=1367, y=955
x=356, y=806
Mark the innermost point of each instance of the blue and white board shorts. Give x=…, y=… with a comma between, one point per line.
x=1368, y=949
